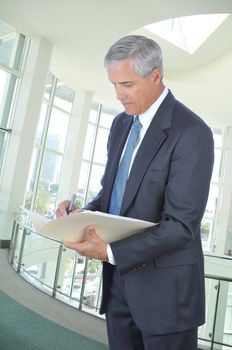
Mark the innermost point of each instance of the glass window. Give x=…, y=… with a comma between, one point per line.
x=107, y=116
x=48, y=87
x=64, y=97
x=8, y=36
x=89, y=141
x=7, y=93
x=48, y=155
x=3, y=144
x=95, y=152
x=41, y=124
x=209, y=218
x=57, y=131
x=100, y=151
x=97, y=172
x=12, y=46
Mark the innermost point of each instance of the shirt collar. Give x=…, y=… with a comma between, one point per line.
x=146, y=117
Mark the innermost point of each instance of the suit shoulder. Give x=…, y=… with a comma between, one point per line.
x=188, y=119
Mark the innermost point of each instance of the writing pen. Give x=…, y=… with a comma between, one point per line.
x=71, y=204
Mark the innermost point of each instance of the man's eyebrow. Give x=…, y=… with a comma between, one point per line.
x=123, y=82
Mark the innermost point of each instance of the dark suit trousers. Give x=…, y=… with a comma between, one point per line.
x=123, y=333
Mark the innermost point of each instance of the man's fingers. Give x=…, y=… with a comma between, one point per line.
x=62, y=208
x=90, y=232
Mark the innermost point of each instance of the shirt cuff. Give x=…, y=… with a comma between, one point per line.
x=110, y=255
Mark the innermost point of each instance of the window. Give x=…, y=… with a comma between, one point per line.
x=209, y=218
x=95, y=152
x=189, y=32
x=49, y=147
x=12, y=47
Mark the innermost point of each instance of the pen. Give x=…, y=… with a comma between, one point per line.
x=71, y=204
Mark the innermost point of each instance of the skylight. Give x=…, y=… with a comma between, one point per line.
x=187, y=33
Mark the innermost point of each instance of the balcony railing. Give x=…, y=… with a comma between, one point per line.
x=64, y=275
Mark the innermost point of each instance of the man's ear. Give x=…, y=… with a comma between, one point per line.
x=156, y=75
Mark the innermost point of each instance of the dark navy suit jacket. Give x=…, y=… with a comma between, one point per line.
x=162, y=268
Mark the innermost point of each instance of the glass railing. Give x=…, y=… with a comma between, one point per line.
x=75, y=280
x=58, y=271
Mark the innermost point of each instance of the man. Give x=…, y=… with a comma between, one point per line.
x=153, y=282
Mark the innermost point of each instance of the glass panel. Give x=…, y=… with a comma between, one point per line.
x=228, y=245
x=4, y=77
x=17, y=244
x=48, y=184
x=88, y=147
x=100, y=151
x=57, y=132
x=78, y=278
x=64, y=97
x=48, y=87
x=31, y=180
x=3, y=143
x=211, y=289
x=217, y=165
x=41, y=124
x=218, y=137
x=212, y=201
x=7, y=91
x=107, y=117
x=83, y=179
x=7, y=39
x=95, y=181
x=207, y=225
x=40, y=259
x=11, y=47
x=92, y=284
x=66, y=272
x=93, y=117
x=223, y=329
x=206, y=233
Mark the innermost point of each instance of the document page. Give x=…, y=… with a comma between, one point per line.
x=71, y=228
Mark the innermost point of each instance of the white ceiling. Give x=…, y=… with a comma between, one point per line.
x=82, y=31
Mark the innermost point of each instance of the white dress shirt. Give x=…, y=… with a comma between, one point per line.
x=145, y=119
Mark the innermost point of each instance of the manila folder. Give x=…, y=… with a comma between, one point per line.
x=108, y=227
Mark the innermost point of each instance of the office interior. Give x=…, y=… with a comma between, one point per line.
x=56, y=109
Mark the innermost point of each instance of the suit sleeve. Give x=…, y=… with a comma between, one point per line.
x=185, y=199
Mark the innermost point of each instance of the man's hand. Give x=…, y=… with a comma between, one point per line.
x=92, y=245
x=62, y=209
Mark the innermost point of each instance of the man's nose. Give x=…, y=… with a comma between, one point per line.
x=120, y=93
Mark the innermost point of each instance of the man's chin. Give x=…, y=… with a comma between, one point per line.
x=129, y=111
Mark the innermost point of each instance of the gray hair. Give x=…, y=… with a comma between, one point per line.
x=144, y=53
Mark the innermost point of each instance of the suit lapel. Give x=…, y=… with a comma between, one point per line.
x=154, y=138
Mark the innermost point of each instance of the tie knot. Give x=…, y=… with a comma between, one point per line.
x=136, y=122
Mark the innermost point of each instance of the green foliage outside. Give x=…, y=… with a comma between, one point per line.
x=205, y=230
x=93, y=265
x=43, y=200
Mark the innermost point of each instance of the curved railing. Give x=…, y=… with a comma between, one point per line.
x=58, y=271
x=75, y=280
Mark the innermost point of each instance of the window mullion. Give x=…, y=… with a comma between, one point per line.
x=43, y=144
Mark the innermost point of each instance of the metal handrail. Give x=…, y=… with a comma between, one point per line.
x=17, y=264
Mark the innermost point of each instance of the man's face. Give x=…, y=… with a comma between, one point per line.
x=135, y=93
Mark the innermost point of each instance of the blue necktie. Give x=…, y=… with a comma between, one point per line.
x=123, y=169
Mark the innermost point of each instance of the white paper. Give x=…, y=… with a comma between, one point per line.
x=70, y=228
